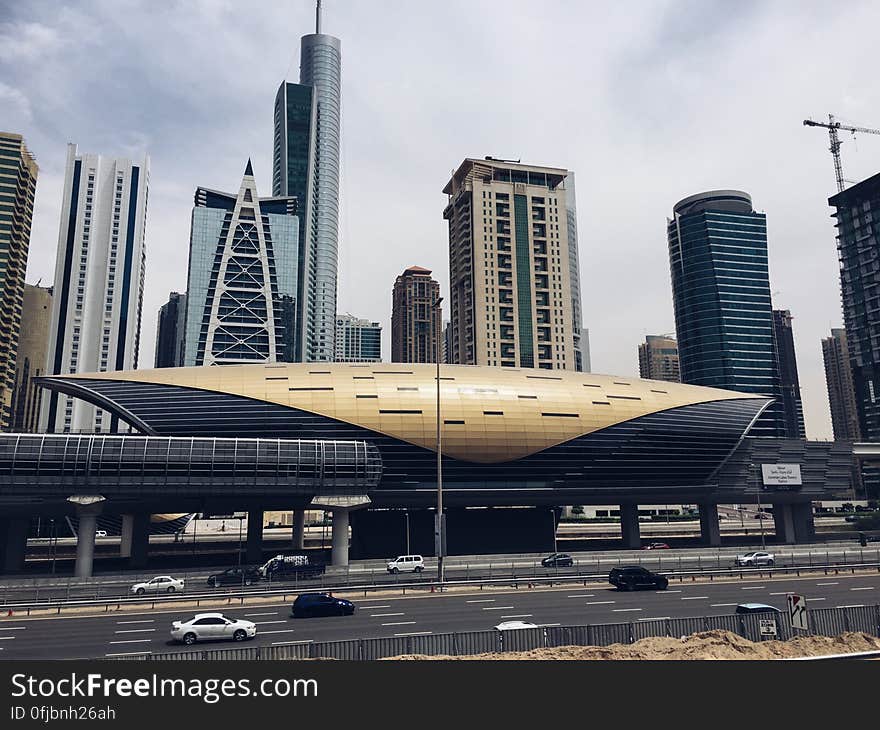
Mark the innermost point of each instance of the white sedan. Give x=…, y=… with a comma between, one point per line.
x=754, y=559
x=159, y=584
x=212, y=627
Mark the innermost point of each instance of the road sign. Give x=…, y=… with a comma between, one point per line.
x=768, y=627
x=797, y=611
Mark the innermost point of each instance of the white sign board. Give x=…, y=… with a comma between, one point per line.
x=797, y=611
x=781, y=475
x=768, y=627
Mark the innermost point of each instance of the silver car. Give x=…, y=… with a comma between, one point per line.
x=754, y=559
x=159, y=584
x=212, y=627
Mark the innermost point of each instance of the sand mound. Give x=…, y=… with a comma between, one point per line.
x=715, y=644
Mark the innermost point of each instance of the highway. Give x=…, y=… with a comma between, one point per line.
x=20, y=589
x=132, y=633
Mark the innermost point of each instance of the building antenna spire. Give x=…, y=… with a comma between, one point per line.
x=318, y=18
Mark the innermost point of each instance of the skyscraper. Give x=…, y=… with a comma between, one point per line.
x=721, y=295
x=858, y=243
x=18, y=184
x=658, y=358
x=33, y=354
x=171, y=332
x=841, y=395
x=783, y=341
x=415, y=323
x=509, y=268
x=580, y=334
x=357, y=340
x=99, y=280
x=241, y=283
x=306, y=166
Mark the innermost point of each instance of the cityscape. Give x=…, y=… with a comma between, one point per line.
x=312, y=295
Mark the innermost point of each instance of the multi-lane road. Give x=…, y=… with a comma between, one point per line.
x=132, y=633
x=17, y=589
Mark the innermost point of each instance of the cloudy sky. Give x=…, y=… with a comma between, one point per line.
x=648, y=101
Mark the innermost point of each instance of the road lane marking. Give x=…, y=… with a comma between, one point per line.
x=133, y=631
x=132, y=641
x=621, y=610
x=656, y=618
x=266, y=623
x=784, y=593
x=595, y=603
x=752, y=588
x=3, y=638
x=676, y=591
x=416, y=633
x=720, y=605
x=12, y=628
x=582, y=595
x=277, y=631
x=695, y=598
x=283, y=643
x=541, y=626
x=270, y=613
x=143, y=621
x=131, y=653
x=371, y=608
x=482, y=600
x=855, y=605
x=497, y=608
x=866, y=588
x=385, y=615
x=519, y=615
x=818, y=599
x=827, y=584
x=399, y=623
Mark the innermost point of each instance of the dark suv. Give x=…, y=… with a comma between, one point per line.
x=320, y=604
x=635, y=577
x=234, y=576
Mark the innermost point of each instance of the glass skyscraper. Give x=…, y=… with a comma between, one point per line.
x=721, y=295
x=241, y=283
x=306, y=165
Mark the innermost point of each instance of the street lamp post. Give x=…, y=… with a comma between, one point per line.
x=439, y=528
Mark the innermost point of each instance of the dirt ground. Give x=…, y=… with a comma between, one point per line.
x=704, y=645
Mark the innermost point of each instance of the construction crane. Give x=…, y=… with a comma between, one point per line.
x=832, y=125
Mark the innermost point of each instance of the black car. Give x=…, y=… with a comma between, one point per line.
x=234, y=576
x=635, y=577
x=320, y=604
x=558, y=560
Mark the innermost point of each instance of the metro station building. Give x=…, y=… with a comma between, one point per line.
x=360, y=440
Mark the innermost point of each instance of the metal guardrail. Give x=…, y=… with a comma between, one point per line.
x=425, y=585
x=823, y=621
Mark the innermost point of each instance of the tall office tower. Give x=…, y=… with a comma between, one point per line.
x=841, y=394
x=33, y=353
x=171, y=331
x=357, y=340
x=509, y=269
x=446, y=344
x=306, y=166
x=18, y=184
x=721, y=293
x=99, y=281
x=581, y=336
x=783, y=341
x=416, y=325
x=241, y=284
x=858, y=244
x=658, y=359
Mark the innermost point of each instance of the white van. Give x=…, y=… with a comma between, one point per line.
x=407, y=563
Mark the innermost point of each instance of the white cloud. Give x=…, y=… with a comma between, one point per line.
x=15, y=105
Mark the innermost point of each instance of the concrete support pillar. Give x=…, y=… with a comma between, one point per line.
x=802, y=516
x=710, y=532
x=87, y=515
x=783, y=523
x=339, y=540
x=253, y=553
x=13, y=543
x=299, y=529
x=629, y=525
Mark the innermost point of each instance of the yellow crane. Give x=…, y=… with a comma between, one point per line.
x=832, y=125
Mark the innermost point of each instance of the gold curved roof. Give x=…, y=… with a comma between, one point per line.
x=489, y=414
